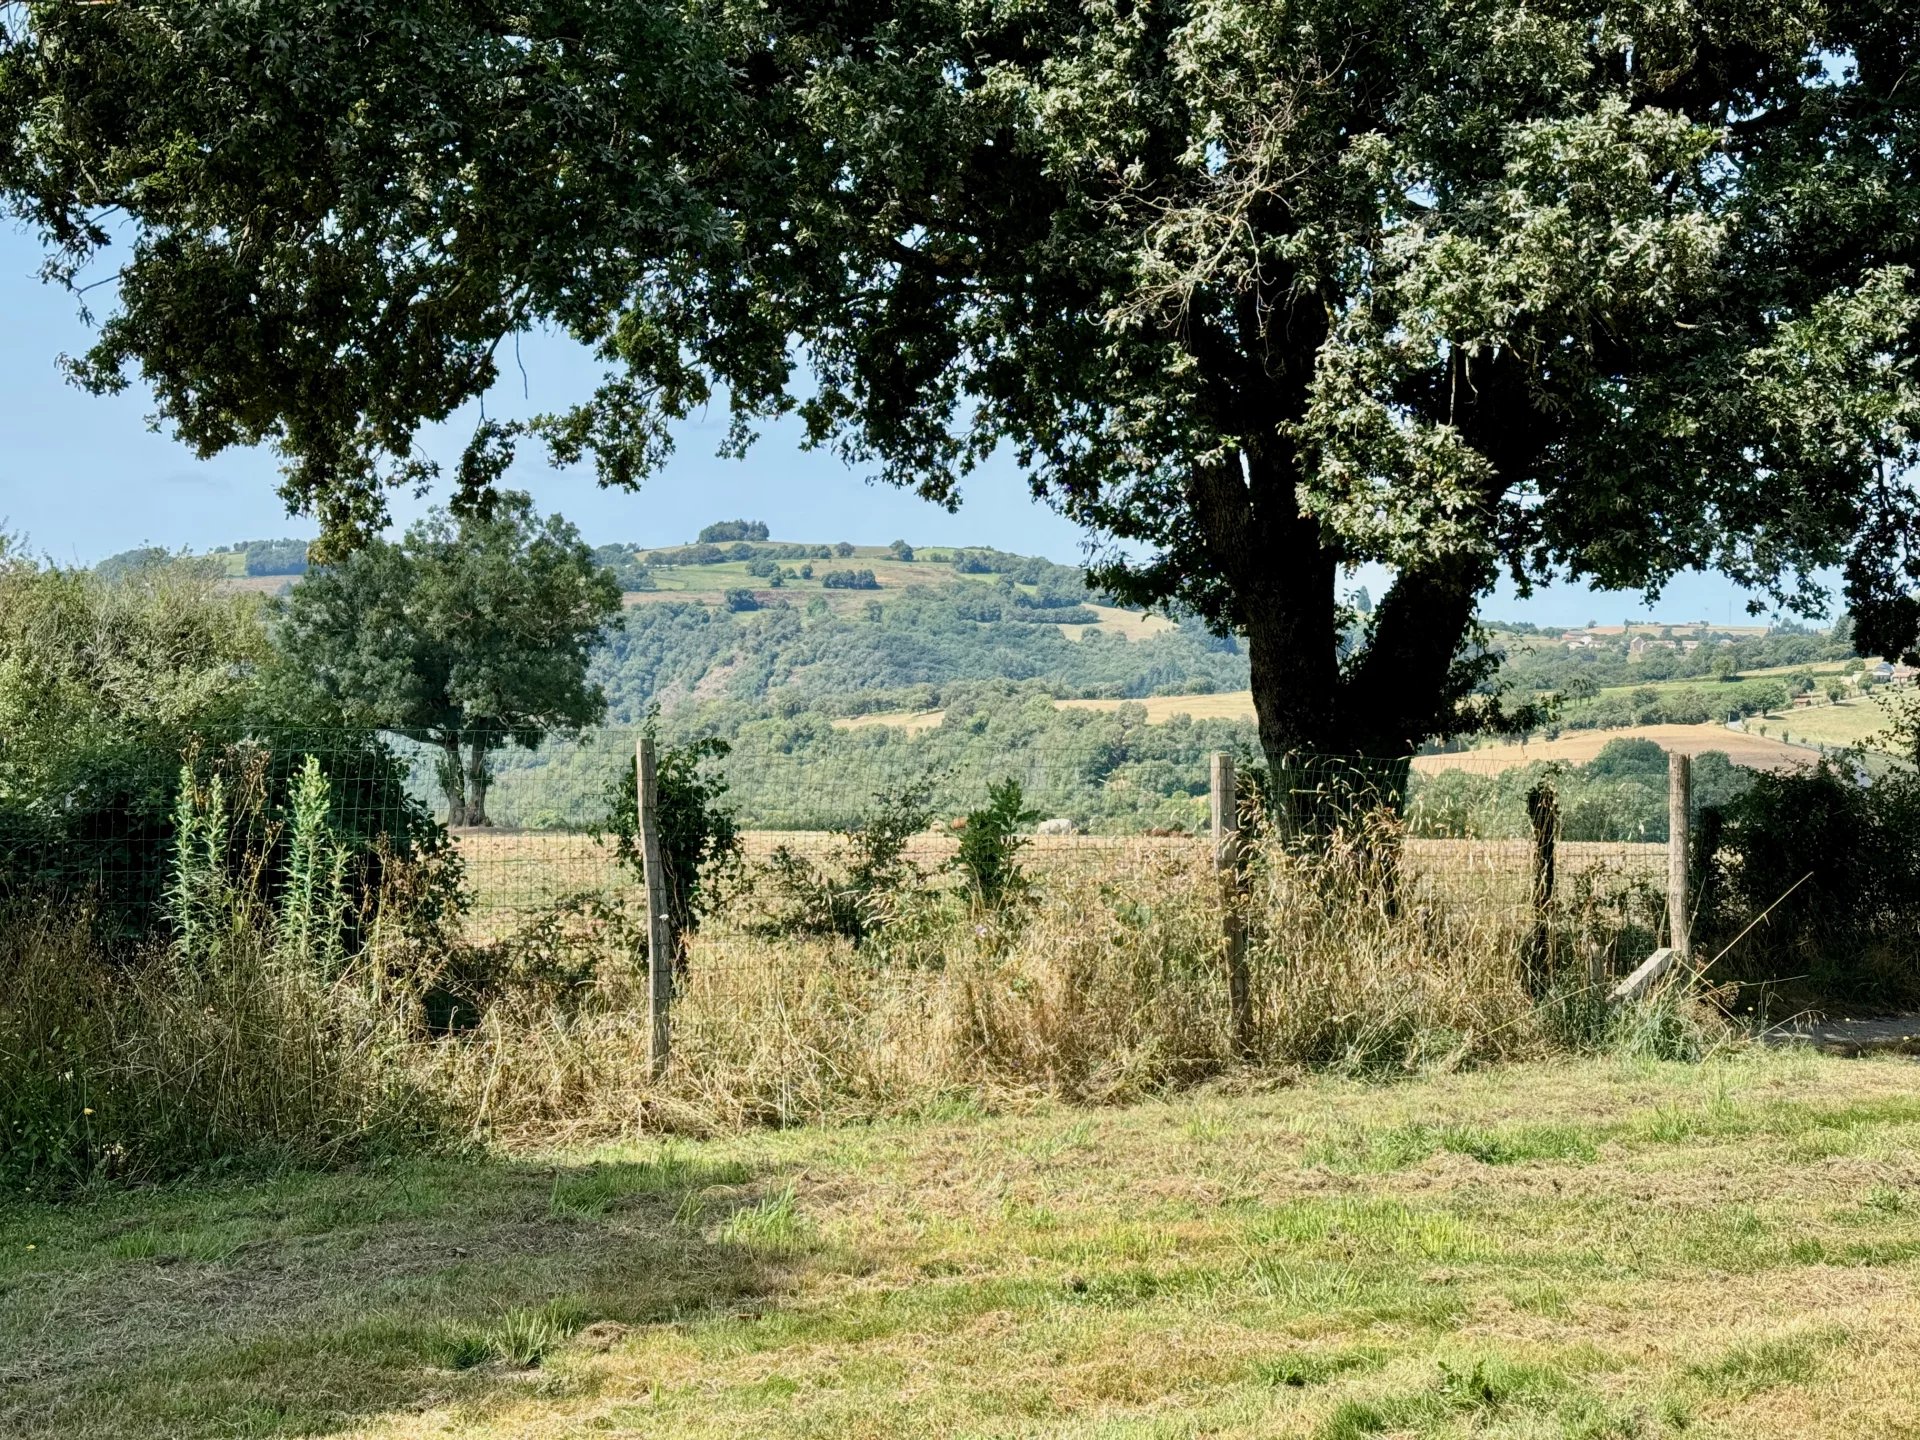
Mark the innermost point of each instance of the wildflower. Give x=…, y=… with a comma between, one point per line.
x=86, y=1110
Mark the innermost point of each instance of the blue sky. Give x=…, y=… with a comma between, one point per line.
x=82, y=477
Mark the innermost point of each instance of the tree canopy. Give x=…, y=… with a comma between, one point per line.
x=469, y=634
x=1258, y=291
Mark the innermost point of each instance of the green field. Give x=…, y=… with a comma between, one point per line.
x=1850, y=723
x=1598, y=1249
x=709, y=581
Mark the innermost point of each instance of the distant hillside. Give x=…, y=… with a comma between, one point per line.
x=844, y=629
x=256, y=559
x=728, y=627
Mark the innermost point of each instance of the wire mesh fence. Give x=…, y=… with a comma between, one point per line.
x=1461, y=828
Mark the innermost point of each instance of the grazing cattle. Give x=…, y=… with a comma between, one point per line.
x=1059, y=825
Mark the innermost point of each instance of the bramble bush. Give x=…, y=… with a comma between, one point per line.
x=1829, y=856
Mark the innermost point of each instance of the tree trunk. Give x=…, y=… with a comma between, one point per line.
x=452, y=774
x=479, y=781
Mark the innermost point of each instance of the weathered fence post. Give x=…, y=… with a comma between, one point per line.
x=1679, y=822
x=1543, y=809
x=659, y=927
x=1226, y=863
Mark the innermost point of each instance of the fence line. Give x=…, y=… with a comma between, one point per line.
x=1472, y=837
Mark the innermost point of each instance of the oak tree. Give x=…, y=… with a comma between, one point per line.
x=1258, y=290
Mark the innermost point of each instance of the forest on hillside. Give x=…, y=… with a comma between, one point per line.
x=808, y=681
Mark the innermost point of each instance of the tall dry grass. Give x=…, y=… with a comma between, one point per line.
x=1102, y=985
x=1096, y=985
x=249, y=1034
x=146, y=1065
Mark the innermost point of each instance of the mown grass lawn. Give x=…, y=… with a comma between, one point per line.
x=1601, y=1249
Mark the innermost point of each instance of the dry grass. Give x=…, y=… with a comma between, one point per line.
x=1108, y=983
x=911, y=721
x=1596, y=1249
x=1127, y=624
x=1226, y=705
x=155, y=1063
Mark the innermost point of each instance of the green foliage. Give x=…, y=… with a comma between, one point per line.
x=1828, y=855
x=470, y=635
x=699, y=839
x=1538, y=312
x=267, y=843
x=741, y=600
x=252, y=1035
x=991, y=842
x=925, y=636
x=849, y=580
x=859, y=889
x=130, y=562
x=1620, y=795
x=723, y=531
x=624, y=564
x=313, y=902
x=270, y=557
x=106, y=685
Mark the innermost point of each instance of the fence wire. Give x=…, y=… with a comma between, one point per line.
x=1461, y=822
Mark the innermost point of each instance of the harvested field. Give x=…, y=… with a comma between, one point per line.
x=1580, y=746
x=1226, y=705
x=525, y=872
x=911, y=721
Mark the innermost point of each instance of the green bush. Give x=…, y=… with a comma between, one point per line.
x=699, y=839
x=860, y=886
x=990, y=845
x=108, y=685
x=254, y=1032
x=1824, y=866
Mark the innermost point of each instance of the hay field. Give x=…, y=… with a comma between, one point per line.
x=1225, y=705
x=1579, y=746
x=1127, y=624
x=1849, y=723
x=911, y=721
x=515, y=875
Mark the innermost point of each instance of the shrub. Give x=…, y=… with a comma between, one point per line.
x=1827, y=857
x=849, y=580
x=723, y=531
x=739, y=600
x=862, y=883
x=254, y=1032
x=106, y=686
x=990, y=845
x=699, y=841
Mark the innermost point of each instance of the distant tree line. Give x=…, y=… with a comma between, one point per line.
x=721, y=531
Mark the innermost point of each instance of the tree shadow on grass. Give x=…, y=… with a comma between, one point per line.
x=310, y=1303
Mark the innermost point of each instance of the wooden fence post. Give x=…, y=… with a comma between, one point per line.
x=659, y=926
x=1543, y=809
x=1679, y=823
x=1226, y=863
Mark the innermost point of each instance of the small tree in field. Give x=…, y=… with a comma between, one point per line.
x=470, y=634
